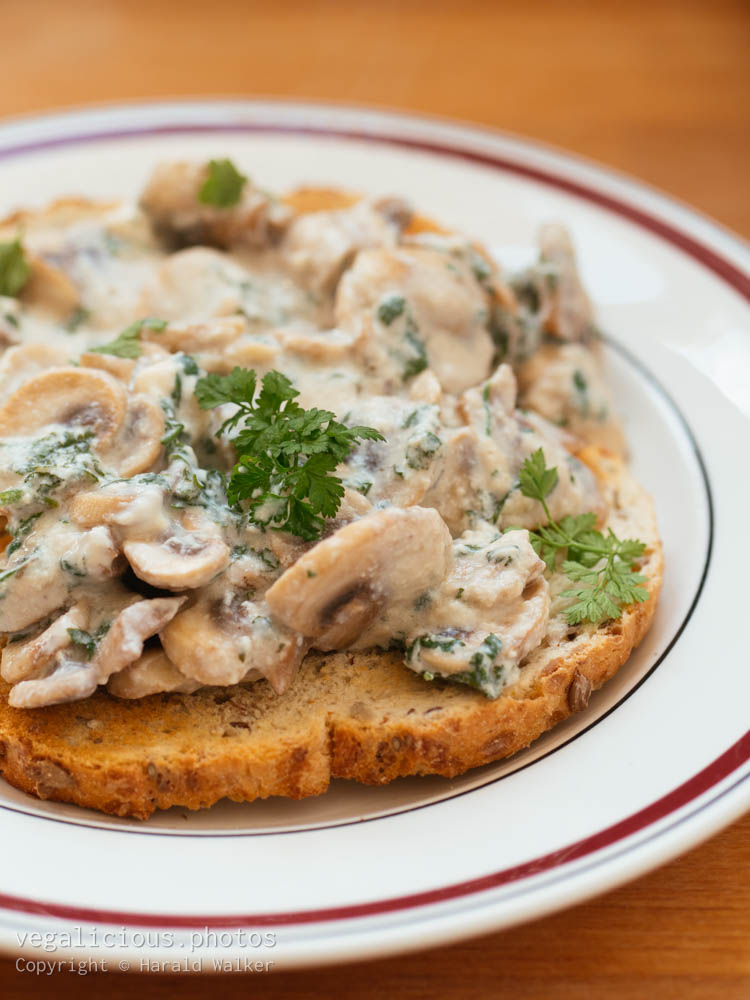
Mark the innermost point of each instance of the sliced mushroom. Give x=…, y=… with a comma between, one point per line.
x=570, y=313
x=152, y=673
x=425, y=388
x=121, y=368
x=71, y=680
x=157, y=379
x=416, y=306
x=34, y=591
x=565, y=383
x=462, y=485
x=318, y=246
x=402, y=467
x=244, y=353
x=101, y=506
x=79, y=396
x=456, y=649
x=171, y=201
x=138, y=445
x=23, y=361
x=50, y=288
x=123, y=643
x=21, y=660
x=196, y=287
x=93, y=554
x=214, y=334
x=225, y=640
x=337, y=588
x=191, y=555
x=490, y=611
x=327, y=347
x=32, y=585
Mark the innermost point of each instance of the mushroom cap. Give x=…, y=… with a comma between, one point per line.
x=220, y=642
x=80, y=396
x=185, y=559
x=336, y=588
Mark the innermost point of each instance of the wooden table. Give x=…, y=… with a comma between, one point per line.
x=659, y=89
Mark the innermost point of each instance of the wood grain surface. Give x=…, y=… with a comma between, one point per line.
x=658, y=89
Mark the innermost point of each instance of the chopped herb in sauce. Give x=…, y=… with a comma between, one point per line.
x=391, y=308
x=418, y=363
x=77, y=318
x=420, y=453
x=88, y=641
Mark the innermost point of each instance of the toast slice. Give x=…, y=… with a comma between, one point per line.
x=354, y=715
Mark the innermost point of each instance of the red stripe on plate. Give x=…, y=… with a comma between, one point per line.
x=719, y=265
x=721, y=768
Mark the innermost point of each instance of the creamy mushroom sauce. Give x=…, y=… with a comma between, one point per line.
x=126, y=565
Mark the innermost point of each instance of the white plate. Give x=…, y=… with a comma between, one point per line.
x=659, y=761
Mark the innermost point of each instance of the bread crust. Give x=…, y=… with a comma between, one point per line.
x=363, y=716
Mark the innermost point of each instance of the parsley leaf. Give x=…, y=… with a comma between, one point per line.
x=14, y=268
x=286, y=454
x=223, y=186
x=127, y=344
x=601, y=564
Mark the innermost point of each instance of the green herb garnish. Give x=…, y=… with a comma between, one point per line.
x=223, y=186
x=127, y=344
x=601, y=564
x=286, y=454
x=14, y=268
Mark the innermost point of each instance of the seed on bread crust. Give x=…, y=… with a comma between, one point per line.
x=579, y=692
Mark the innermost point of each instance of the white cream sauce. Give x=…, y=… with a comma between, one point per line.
x=383, y=329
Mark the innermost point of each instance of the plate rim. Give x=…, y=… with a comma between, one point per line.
x=668, y=399
x=728, y=270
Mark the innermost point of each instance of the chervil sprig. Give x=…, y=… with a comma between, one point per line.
x=286, y=454
x=602, y=564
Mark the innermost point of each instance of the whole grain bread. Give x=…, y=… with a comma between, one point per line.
x=350, y=715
